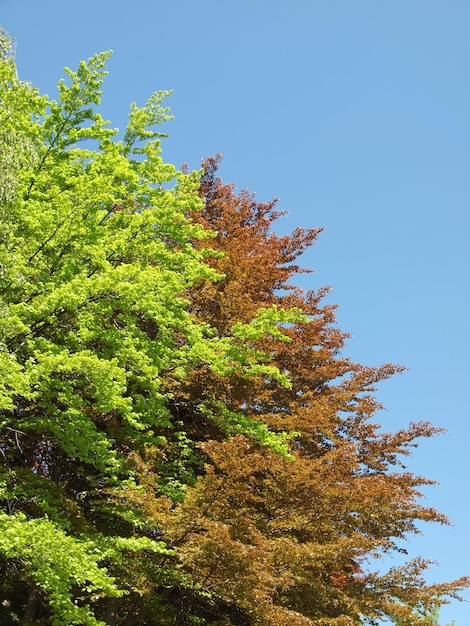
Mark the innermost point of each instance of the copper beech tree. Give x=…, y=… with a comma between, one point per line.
x=289, y=539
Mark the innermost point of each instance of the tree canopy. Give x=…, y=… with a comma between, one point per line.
x=182, y=440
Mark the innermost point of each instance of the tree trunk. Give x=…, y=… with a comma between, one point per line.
x=31, y=607
x=111, y=611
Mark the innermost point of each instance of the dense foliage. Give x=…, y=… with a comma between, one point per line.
x=181, y=439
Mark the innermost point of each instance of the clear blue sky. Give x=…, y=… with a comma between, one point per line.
x=356, y=114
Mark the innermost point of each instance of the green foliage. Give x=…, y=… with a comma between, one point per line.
x=236, y=422
x=96, y=250
x=429, y=615
x=19, y=102
x=57, y=562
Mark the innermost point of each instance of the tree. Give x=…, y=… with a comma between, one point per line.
x=277, y=540
x=95, y=254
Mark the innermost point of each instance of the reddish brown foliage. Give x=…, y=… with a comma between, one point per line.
x=260, y=538
x=285, y=541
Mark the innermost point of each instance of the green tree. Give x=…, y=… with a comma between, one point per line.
x=96, y=248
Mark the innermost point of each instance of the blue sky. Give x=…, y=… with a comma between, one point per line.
x=356, y=115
